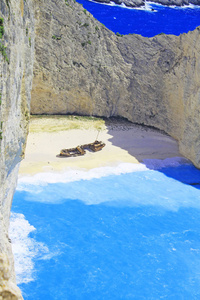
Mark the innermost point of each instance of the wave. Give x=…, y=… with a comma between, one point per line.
x=25, y=248
x=72, y=175
x=149, y=6
x=146, y=7
x=157, y=183
x=25, y=183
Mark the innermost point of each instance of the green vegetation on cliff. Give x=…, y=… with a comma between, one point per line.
x=1, y=28
x=2, y=47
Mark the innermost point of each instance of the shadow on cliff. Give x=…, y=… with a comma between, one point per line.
x=153, y=148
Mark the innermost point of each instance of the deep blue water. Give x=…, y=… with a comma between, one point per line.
x=144, y=22
x=129, y=236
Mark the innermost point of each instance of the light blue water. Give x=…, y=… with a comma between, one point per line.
x=129, y=236
x=145, y=22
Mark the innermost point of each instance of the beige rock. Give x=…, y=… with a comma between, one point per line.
x=8, y=290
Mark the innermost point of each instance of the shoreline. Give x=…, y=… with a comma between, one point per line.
x=125, y=143
x=144, y=6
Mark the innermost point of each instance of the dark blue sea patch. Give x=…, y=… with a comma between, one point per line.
x=169, y=20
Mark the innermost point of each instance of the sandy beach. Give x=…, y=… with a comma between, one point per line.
x=125, y=142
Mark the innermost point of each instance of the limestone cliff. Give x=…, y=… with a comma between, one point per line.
x=81, y=67
x=16, y=56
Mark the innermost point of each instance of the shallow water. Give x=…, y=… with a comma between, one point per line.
x=129, y=236
x=170, y=20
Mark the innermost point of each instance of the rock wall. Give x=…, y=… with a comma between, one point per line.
x=16, y=69
x=83, y=68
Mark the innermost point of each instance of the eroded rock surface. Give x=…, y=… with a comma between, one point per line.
x=8, y=290
x=16, y=56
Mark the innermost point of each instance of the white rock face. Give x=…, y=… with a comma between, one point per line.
x=16, y=69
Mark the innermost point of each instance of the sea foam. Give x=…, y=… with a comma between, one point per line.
x=24, y=248
x=72, y=175
x=146, y=7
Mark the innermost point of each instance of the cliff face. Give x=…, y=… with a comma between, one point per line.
x=17, y=35
x=83, y=68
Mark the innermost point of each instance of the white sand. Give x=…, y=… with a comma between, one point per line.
x=124, y=141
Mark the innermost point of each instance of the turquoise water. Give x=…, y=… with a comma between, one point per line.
x=170, y=20
x=133, y=235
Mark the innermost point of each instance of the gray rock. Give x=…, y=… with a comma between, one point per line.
x=16, y=67
x=171, y=2
x=195, y=2
x=133, y=3
x=103, y=1
x=118, y=1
